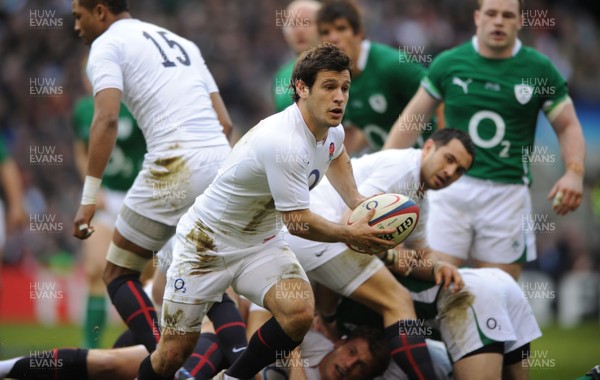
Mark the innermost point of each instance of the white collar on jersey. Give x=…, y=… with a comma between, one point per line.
x=365, y=47
x=515, y=50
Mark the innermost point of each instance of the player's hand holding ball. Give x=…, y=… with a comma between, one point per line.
x=393, y=216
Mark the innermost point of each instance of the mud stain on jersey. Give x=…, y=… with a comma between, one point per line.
x=199, y=237
x=260, y=212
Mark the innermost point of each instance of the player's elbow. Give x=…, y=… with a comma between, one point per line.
x=106, y=120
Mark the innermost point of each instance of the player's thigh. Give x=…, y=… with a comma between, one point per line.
x=116, y=364
x=274, y=278
x=503, y=232
x=195, y=279
x=385, y=295
x=450, y=221
x=515, y=371
x=485, y=366
x=346, y=271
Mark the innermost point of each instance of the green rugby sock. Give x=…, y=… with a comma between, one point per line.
x=95, y=320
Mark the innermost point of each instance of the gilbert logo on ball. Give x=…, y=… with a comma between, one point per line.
x=395, y=211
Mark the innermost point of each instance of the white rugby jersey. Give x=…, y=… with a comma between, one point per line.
x=270, y=169
x=387, y=171
x=164, y=80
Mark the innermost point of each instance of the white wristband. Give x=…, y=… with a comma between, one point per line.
x=91, y=186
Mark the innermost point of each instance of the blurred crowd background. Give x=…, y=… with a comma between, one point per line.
x=243, y=46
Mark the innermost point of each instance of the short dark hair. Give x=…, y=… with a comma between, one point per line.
x=378, y=347
x=520, y=2
x=443, y=136
x=336, y=9
x=114, y=6
x=324, y=57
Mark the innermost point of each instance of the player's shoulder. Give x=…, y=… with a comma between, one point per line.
x=382, y=55
x=533, y=56
x=457, y=53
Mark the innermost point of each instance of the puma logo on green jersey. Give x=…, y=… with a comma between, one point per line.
x=462, y=84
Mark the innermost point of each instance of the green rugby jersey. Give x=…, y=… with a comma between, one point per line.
x=282, y=93
x=497, y=101
x=128, y=154
x=380, y=92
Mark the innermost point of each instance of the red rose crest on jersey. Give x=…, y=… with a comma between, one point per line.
x=331, y=150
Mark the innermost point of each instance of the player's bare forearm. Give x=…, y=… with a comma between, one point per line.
x=570, y=137
x=80, y=150
x=222, y=113
x=414, y=119
x=342, y=178
x=103, y=132
x=567, y=192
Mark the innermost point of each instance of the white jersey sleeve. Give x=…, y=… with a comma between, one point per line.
x=286, y=174
x=103, y=69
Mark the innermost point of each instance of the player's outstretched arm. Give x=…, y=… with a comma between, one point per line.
x=342, y=178
x=407, y=129
x=222, y=113
x=103, y=135
x=308, y=225
x=568, y=190
x=425, y=265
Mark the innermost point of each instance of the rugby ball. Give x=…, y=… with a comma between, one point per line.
x=395, y=211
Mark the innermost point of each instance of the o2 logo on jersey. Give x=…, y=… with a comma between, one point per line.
x=316, y=177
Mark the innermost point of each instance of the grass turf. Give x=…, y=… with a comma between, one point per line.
x=563, y=354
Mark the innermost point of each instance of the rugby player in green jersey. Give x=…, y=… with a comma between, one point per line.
x=493, y=87
x=124, y=165
x=300, y=33
x=384, y=79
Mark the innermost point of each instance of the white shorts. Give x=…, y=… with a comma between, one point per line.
x=113, y=200
x=345, y=272
x=499, y=313
x=170, y=181
x=483, y=220
x=204, y=267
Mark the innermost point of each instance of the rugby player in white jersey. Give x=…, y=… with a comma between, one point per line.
x=232, y=234
x=163, y=80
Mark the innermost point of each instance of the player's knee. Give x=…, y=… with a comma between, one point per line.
x=122, y=262
x=298, y=322
x=171, y=355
